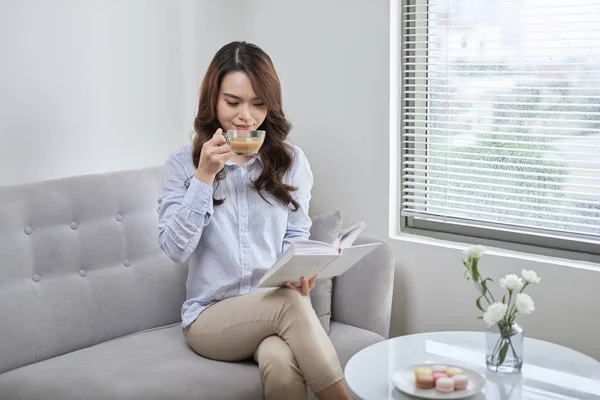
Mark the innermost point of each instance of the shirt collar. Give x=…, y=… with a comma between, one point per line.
x=248, y=163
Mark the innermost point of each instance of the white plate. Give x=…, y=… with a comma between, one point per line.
x=404, y=380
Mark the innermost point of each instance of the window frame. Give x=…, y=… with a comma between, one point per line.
x=529, y=240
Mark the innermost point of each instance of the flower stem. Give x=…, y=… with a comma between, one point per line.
x=513, y=350
x=509, y=311
x=497, y=348
x=480, y=288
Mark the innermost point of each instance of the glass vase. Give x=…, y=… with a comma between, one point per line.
x=504, y=353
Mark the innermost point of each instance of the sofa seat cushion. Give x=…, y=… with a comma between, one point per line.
x=151, y=365
x=349, y=340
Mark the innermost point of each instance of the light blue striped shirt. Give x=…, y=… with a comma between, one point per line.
x=230, y=246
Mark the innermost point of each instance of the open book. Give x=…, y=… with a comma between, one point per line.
x=306, y=258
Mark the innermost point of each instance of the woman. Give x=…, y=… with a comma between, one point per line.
x=232, y=216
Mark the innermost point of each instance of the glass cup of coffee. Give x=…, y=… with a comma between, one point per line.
x=245, y=143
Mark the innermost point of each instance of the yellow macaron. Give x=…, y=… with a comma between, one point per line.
x=423, y=371
x=454, y=371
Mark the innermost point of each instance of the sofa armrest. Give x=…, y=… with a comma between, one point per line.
x=362, y=296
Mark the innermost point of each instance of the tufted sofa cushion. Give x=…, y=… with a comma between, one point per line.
x=80, y=264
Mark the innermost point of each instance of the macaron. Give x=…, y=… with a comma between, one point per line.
x=423, y=371
x=445, y=385
x=439, y=368
x=460, y=382
x=424, y=381
x=454, y=371
x=438, y=375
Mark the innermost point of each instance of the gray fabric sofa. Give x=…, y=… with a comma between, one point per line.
x=90, y=305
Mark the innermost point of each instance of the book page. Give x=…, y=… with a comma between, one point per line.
x=298, y=266
x=347, y=260
x=313, y=247
x=348, y=236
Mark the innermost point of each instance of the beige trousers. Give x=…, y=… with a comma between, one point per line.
x=280, y=329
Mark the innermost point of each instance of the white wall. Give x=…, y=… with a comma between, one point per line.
x=97, y=86
x=333, y=59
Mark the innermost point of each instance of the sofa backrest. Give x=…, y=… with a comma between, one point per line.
x=80, y=264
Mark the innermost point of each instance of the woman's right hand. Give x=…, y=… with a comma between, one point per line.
x=215, y=153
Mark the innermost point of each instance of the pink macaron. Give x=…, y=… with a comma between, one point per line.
x=438, y=375
x=445, y=385
x=460, y=382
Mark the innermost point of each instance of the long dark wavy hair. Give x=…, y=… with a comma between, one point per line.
x=275, y=154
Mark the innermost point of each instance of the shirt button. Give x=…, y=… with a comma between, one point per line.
x=244, y=240
x=35, y=278
x=244, y=215
x=240, y=190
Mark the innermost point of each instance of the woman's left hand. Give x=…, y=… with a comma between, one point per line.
x=306, y=285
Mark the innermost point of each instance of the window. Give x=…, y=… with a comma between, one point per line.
x=500, y=120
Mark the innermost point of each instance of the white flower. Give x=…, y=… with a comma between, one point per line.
x=525, y=304
x=495, y=313
x=511, y=282
x=474, y=252
x=530, y=276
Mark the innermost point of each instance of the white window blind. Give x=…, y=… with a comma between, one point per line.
x=501, y=116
